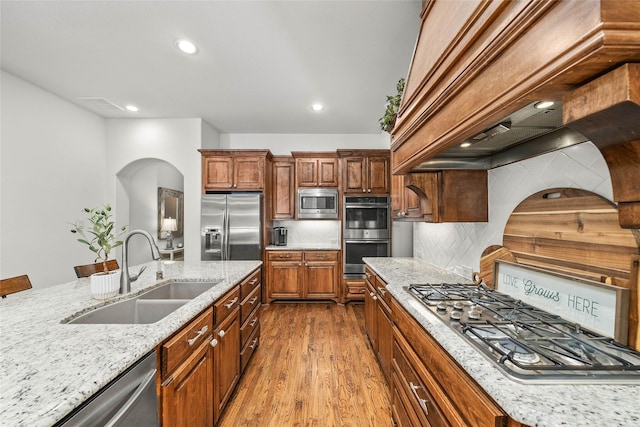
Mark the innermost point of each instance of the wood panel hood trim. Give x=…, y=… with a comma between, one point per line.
x=510, y=58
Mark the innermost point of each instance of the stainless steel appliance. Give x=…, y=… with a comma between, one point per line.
x=528, y=343
x=231, y=226
x=129, y=400
x=366, y=231
x=279, y=236
x=317, y=203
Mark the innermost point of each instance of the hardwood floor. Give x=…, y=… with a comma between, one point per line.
x=314, y=368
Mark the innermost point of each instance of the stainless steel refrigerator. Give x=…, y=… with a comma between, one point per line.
x=231, y=226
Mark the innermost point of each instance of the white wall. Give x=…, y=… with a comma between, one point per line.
x=53, y=164
x=175, y=141
x=284, y=144
x=461, y=244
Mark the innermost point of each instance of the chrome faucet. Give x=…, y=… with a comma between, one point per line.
x=125, y=277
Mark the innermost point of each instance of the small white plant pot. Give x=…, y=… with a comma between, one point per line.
x=105, y=285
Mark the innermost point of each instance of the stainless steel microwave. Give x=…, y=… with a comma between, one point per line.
x=317, y=203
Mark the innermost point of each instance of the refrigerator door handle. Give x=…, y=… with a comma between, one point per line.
x=225, y=234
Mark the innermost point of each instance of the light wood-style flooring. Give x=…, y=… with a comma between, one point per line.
x=314, y=367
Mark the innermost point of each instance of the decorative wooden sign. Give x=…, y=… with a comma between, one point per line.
x=595, y=306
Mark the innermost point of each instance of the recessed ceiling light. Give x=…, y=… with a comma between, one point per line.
x=187, y=47
x=544, y=104
x=132, y=108
x=465, y=144
x=317, y=107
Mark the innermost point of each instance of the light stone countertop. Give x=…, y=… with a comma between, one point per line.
x=540, y=405
x=48, y=368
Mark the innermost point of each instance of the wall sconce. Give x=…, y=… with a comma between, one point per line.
x=169, y=225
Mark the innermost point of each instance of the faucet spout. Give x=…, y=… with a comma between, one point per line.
x=125, y=277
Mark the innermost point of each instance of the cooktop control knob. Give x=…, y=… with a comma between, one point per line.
x=455, y=315
x=441, y=306
x=458, y=305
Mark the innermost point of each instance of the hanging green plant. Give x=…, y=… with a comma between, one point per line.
x=393, y=104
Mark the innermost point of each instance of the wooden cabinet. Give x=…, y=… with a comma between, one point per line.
x=234, y=169
x=302, y=275
x=226, y=347
x=186, y=375
x=316, y=169
x=378, y=320
x=283, y=194
x=366, y=171
x=429, y=387
x=251, y=300
x=353, y=289
x=448, y=196
x=405, y=204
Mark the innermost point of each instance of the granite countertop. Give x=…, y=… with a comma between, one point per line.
x=305, y=247
x=49, y=367
x=531, y=404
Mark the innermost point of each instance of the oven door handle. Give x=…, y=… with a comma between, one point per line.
x=374, y=241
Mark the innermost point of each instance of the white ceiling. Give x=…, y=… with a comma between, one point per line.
x=260, y=66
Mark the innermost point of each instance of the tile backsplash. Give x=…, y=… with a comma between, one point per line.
x=458, y=246
x=311, y=232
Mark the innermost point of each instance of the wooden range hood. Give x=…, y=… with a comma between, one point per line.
x=477, y=62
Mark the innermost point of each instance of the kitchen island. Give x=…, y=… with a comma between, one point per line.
x=530, y=404
x=50, y=367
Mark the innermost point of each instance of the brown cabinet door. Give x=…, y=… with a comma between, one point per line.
x=327, y=172
x=378, y=175
x=248, y=173
x=227, y=362
x=307, y=172
x=370, y=311
x=355, y=174
x=285, y=280
x=283, y=195
x=218, y=172
x=320, y=278
x=187, y=394
x=385, y=337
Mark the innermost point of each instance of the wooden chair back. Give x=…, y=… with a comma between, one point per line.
x=14, y=284
x=89, y=269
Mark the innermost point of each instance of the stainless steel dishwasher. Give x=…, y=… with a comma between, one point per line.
x=129, y=400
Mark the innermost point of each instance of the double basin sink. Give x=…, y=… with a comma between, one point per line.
x=148, y=307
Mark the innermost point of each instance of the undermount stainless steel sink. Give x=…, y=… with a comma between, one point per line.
x=148, y=307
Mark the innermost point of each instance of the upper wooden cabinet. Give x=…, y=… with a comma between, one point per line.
x=234, y=169
x=476, y=62
x=449, y=196
x=405, y=203
x=283, y=194
x=365, y=171
x=316, y=169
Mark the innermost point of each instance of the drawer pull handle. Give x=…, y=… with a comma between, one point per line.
x=233, y=301
x=253, y=343
x=422, y=402
x=254, y=281
x=253, y=300
x=200, y=333
x=214, y=342
x=222, y=333
x=382, y=291
x=253, y=322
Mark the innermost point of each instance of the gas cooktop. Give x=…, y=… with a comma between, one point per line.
x=525, y=342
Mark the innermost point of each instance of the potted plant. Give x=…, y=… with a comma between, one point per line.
x=101, y=237
x=393, y=104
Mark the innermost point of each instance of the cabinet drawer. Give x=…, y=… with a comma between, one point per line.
x=252, y=344
x=381, y=289
x=249, y=304
x=414, y=391
x=248, y=327
x=185, y=341
x=321, y=256
x=249, y=284
x=284, y=255
x=227, y=305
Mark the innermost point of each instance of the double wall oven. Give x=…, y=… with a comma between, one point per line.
x=366, y=232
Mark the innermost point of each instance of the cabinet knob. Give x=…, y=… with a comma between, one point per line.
x=375, y=298
x=214, y=342
x=369, y=191
x=222, y=333
x=364, y=190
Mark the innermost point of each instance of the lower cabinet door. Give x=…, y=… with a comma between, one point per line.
x=227, y=361
x=187, y=394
